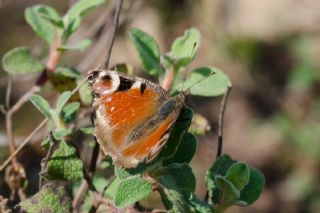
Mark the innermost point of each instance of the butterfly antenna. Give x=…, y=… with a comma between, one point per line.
x=202, y=79
x=187, y=73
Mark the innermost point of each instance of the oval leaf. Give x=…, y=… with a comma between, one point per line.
x=203, y=82
x=185, y=151
x=219, y=167
x=49, y=14
x=132, y=190
x=64, y=164
x=42, y=27
x=238, y=174
x=254, y=188
x=20, y=61
x=229, y=191
x=187, y=45
x=148, y=51
x=69, y=112
x=63, y=99
x=73, y=17
x=41, y=104
x=81, y=45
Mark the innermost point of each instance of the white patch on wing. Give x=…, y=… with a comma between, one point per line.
x=136, y=84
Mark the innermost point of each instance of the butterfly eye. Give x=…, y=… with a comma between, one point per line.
x=93, y=75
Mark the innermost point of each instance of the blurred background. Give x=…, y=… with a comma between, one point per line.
x=268, y=48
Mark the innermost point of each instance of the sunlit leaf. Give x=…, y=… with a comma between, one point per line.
x=20, y=61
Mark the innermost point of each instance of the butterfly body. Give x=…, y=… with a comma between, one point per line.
x=134, y=116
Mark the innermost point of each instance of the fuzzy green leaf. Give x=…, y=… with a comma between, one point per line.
x=187, y=45
x=229, y=191
x=185, y=151
x=68, y=72
x=89, y=130
x=178, y=181
x=52, y=198
x=251, y=192
x=42, y=27
x=203, y=82
x=179, y=130
x=73, y=17
x=132, y=190
x=20, y=61
x=41, y=104
x=121, y=173
x=220, y=167
x=200, y=206
x=62, y=100
x=85, y=93
x=238, y=174
x=69, y=112
x=148, y=51
x=49, y=14
x=81, y=45
x=61, y=133
x=64, y=164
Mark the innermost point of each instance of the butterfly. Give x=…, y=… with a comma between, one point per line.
x=133, y=116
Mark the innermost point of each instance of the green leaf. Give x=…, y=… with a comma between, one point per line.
x=125, y=68
x=81, y=45
x=180, y=175
x=202, y=82
x=220, y=167
x=200, y=206
x=121, y=173
x=179, y=183
x=229, y=191
x=68, y=72
x=49, y=14
x=73, y=17
x=41, y=104
x=88, y=130
x=238, y=174
x=69, y=112
x=254, y=188
x=62, y=100
x=187, y=45
x=64, y=164
x=42, y=27
x=132, y=190
x=185, y=151
x=180, y=128
x=112, y=189
x=85, y=93
x=20, y=61
x=61, y=133
x=148, y=51
x=52, y=198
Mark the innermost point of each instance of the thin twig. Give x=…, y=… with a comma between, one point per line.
x=45, y=160
x=113, y=32
x=8, y=92
x=23, y=144
x=221, y=119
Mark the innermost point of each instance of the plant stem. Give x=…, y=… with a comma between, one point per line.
x=23, y=144
x=221, y=119
x=113, y=32
x=168, y=80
